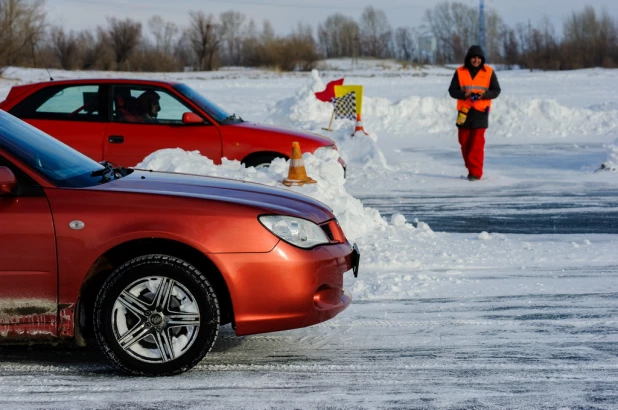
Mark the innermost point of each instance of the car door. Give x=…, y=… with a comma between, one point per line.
x=131, y=136
x=28, y=268
x=72, y=113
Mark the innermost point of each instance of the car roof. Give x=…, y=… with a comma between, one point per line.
x=107, y=81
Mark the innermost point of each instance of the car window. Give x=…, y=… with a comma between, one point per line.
x=147, y=105
x=208, y=106
x=60, y=164
x=69, y=103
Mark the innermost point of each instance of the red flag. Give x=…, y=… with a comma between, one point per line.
x=329, y=93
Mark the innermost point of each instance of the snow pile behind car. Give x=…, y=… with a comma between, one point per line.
x=356, y=219
x=304, y=111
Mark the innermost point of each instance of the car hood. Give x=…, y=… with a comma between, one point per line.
x=252, y=127
x=266, y=198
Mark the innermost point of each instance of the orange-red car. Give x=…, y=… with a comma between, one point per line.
x=150, y=264
x=122, y=121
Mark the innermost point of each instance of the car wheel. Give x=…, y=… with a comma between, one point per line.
x=156, y=315
x=262, y=161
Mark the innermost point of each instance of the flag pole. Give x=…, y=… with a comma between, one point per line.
x=331, y=121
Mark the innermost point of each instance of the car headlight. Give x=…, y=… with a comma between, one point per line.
x=298, y=232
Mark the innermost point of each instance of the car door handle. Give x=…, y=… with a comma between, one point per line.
x=116, y=139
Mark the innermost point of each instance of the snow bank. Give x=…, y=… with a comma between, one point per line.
x=304, y=111
x=355, y=219
x=535, y=117
x=427, y=119
x=530, y=119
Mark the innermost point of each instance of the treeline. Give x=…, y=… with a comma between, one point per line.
x=588, y=39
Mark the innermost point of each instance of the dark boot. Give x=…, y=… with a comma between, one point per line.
x=473, y=177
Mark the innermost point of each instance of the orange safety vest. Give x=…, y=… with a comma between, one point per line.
x=480, y=82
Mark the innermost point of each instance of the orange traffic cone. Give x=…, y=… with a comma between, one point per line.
x=359, y=125
x=297, y=174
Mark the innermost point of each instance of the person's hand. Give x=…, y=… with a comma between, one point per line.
x=477, y=96
x=468, y=93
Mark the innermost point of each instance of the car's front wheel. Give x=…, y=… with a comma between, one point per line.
x=156, y=315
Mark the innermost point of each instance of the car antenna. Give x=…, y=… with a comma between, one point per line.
x=43, y=60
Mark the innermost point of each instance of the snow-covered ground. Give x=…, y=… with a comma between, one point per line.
x=484, y=319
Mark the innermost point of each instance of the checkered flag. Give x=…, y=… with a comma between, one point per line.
x=345, y=106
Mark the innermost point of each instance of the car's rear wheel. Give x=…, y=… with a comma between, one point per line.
x=156, y=315
x=261, y=161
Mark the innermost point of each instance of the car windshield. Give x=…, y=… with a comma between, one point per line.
x=57, y=162
x=210, y=108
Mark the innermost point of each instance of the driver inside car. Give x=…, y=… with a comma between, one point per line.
x=148, y=106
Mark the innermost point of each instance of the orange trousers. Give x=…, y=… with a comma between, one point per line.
x=472, y=141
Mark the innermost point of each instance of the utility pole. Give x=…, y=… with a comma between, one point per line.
x=482, y=29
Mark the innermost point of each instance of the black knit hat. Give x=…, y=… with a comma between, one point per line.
x=474, y=51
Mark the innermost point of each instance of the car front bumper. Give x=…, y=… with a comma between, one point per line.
x=288, y=287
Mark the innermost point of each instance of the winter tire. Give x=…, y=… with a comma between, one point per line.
x=156, y=315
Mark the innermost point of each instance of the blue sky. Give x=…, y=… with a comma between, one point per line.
x=285, y=14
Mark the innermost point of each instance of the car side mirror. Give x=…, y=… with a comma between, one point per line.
x=8, y=182
x=191, y=118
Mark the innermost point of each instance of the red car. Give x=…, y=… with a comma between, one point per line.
x=150, y=264
x=123, y=121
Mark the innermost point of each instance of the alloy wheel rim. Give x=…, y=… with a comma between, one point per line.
x=155, y=319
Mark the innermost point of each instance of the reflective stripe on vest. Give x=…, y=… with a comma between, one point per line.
x=480, y=82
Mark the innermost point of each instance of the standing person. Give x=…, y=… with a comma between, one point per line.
x=474, y=85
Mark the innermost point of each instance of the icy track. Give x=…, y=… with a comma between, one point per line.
x=549, y=342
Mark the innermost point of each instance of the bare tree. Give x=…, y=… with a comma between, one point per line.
x=375, y=33
x=65, y=46
x=124, y=36
x=590, y=41
x=550, y=52
x=268, y=32
x=404, y=43
x=510, y=47
x=204, y=39
x=21, y=29
x=232, y=23
x=165, y=34
x=494, y=28
x=304, y=46
x=440, y=23
x=338, y=36
x=183, y=51
x=94, y=50
x=259, y=48
x=251, y=45
x=455, y=26
x=523, y=33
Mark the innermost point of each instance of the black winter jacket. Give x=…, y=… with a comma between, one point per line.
x=476, y=119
